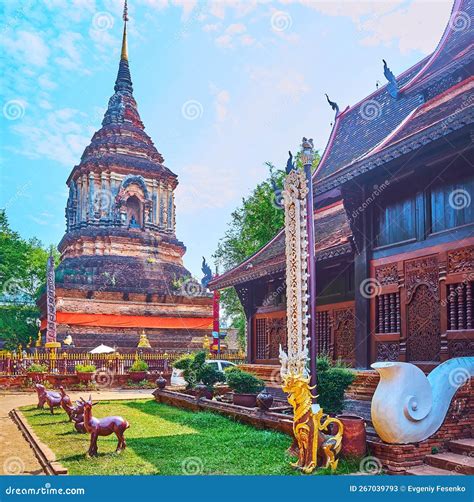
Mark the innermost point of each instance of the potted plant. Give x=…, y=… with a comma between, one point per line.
x=245, y=386
x=138, y=370
x=208, y=376
x=185, y=365
x=85, y=372
x=200, y=377
x=35, y=371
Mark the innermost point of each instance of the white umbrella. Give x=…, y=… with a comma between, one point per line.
x=102, y=349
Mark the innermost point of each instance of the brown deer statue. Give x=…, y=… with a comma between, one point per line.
x=66, y=403
x=103, y=427
x=53, y=399
x=77, y=416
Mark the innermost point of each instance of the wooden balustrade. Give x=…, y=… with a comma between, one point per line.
x=64, y=363
x=460, y=306
x=388, y=313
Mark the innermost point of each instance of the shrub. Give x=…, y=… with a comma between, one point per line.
x=242, y=382
x=37, y=368
x=185, y=363
x=209, y=376
x=333, y=380
x=139, y=365
x=196, y=370
x=85, y=368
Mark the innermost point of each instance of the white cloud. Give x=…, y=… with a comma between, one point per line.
x=291, y=85
x=211, y=27
x=205, y=187
x=60, y=136
x=46, y=83
x=410, y=27
x=413, y=26
x=235, y=34
x=28, y=48
x=186, y=5
x=236, y=28
x=68, y=45
x=247, y=40
x=224, y=41
x=221, y=101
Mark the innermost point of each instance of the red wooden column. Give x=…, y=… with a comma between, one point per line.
x=215, y=319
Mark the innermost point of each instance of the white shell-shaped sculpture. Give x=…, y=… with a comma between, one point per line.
x=408, y=406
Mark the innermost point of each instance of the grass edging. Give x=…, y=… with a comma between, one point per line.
x=43, y=453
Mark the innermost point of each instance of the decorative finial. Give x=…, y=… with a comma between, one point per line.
x=392, y=85
x=206, y=270
x=333, y=105
x=307, y=151
x=124, y=54
x=125, y=11
x=290, y=165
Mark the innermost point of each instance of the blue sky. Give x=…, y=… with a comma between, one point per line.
x=222, y=87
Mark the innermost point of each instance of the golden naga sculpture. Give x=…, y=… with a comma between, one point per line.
x=316, y=446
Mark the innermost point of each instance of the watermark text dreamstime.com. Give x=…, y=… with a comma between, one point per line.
x=47, y=489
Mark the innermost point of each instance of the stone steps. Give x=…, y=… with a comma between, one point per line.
x=429, y=470
x=462, y=446
x=449, y=461
x=458, y=460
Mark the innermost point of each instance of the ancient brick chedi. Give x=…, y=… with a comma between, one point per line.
x=121, y=271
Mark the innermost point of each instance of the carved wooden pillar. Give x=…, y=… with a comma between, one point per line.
x=452, y=307
x=469, y=320
x=460, y=295
x=380, y=325
x=402, y=310
x=362, y=305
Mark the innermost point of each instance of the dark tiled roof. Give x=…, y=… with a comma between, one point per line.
x=361, y=129
x=332, y=236
x=443, y=107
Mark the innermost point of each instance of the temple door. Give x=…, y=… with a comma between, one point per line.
x=276, y=336
x=423, y=330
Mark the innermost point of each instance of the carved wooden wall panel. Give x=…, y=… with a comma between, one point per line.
x=276, y=335
x=268, y=333
x=388, y=351
x=387, y=274
x=344, y=335
x=423, y=334
x=461, y=260
x=323, y=331
x=461, y=348
x=260, y=338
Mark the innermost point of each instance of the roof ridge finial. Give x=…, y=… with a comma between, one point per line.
x=124, y=54
x=333, y=105
x=392, y=85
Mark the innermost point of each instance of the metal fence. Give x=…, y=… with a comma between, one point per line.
x=64, y=363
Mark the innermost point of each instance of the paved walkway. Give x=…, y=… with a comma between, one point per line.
x=16, y=456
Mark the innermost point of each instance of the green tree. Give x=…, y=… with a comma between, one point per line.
x=22, y=277
x=255, y=222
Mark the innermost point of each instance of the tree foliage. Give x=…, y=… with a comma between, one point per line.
x=22, y=276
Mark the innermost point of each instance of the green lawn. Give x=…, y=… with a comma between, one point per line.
x=166, y=440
